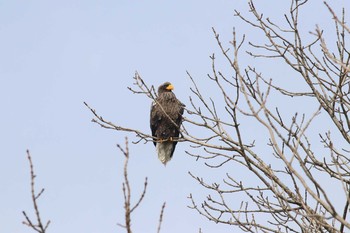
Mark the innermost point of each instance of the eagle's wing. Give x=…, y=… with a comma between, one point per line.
x=180, y=110
x=155, y=119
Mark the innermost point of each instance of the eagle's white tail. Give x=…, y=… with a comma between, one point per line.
x=164, y=150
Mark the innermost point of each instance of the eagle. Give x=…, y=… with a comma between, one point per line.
x=165, y=121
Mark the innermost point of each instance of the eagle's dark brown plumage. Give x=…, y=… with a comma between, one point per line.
x=166, y=118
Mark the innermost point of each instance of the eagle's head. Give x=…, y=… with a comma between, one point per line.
x=165, y=87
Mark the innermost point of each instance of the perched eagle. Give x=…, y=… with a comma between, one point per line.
x=166, y=117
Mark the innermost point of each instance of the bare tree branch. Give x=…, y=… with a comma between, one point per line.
x=39, y=227
x=128, y=207
x=161, y=218
x=127, y=190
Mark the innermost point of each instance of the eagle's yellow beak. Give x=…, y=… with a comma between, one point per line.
x=170, y=87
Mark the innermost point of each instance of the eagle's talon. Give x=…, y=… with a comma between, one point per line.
x=170, y=139
x=160, y=140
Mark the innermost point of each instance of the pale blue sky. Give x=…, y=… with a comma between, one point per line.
x=56, y=54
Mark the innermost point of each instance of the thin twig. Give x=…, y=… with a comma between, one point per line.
x=39, y=227
x=161, y=218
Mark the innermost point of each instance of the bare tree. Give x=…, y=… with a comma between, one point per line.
x=290, y=172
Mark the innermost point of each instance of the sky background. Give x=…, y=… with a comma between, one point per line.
x=54, y=55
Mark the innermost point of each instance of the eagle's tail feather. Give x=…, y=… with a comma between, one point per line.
x=165, y=151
